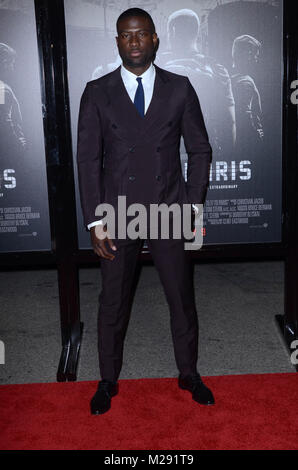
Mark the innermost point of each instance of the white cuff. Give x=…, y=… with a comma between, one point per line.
x=93, y=224
x=195, y=208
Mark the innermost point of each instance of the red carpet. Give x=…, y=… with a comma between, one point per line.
x=251, y=412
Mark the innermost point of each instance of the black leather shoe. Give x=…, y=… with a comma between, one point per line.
x=101, y=401
x=194, y=384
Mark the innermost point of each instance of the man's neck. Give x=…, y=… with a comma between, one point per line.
x=137, y=70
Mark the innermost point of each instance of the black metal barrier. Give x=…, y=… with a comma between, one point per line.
x=65, y=255
x=288, y=322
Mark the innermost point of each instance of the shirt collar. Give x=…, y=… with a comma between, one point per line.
x=146, y=76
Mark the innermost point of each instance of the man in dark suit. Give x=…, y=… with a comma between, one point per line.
x=130, y=124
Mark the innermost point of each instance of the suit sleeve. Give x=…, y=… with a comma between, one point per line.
x=89, y=156
x=197, y=147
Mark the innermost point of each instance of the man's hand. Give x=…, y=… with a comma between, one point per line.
x=101, y=242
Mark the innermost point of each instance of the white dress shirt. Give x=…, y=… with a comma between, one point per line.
x=131, y=85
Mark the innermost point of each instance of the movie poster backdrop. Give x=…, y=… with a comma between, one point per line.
x=232, y=53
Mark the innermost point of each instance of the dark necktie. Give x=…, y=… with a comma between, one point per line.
x=139, y=100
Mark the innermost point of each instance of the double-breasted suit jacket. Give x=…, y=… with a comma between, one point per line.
x=121, y=153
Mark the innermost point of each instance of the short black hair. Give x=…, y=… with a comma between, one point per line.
x=135, y=12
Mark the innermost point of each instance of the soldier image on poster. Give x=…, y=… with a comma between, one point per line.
x=24, y=202
x=245, y=53
x=209, y=78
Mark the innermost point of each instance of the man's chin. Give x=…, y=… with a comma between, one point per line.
x=137, y=62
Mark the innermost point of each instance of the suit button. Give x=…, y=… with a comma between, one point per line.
x=132, y=178
x=114, y=126
x=158, y=149
x=131, y=149
x=158, y=177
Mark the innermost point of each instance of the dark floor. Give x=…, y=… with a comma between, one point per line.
x=236, y=303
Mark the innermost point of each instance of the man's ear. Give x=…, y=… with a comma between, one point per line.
x=155, y=41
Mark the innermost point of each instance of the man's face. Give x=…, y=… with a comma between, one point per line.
x=136, y=41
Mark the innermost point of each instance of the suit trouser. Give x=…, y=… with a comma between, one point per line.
x=175, y=271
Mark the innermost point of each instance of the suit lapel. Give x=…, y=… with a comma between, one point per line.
x=125, y=112
x=160, y=96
